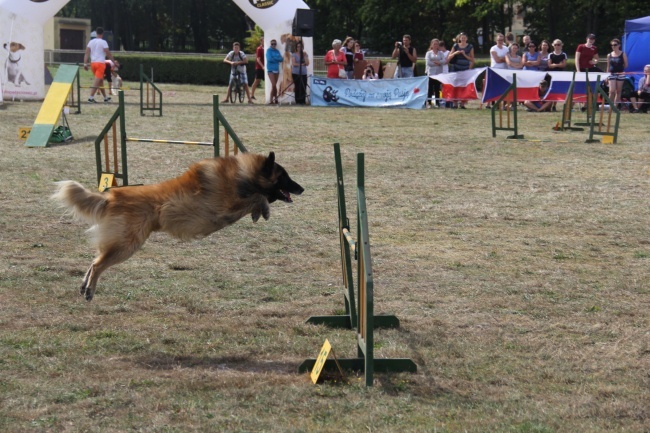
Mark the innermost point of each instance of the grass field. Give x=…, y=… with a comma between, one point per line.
x=519, y=270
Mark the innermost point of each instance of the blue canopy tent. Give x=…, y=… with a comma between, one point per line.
x=636, y=44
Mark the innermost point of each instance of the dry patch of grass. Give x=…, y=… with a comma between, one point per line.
x=519, y=270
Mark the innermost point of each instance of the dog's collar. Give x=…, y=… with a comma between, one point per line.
x=13, y=61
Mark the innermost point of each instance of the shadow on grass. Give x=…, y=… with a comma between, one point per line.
x=250, y=364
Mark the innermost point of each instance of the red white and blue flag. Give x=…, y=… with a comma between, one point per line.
x=459, y=85
x=497, y=82
x=561, y=81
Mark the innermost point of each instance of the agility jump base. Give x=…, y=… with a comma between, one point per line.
x=148, y=87
x=589, y=104
x=109, y=136
x=348, y=247
x=598, y=130
x=512, y=107
x=593, y=112
x=365, y=320
x=567, y=110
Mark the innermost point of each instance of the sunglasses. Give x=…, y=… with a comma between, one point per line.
x=531, y=46
x=273, y=43
x=557, y=45
x=614, y=45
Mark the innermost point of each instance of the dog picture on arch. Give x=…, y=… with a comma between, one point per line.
x=212, y=194
x=13, y=64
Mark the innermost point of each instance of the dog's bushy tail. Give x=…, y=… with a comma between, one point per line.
x=85, y=204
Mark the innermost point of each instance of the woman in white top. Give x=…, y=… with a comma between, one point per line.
x=498, y=53
x=435, y=59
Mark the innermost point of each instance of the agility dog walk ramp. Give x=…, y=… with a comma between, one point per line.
x=50, y=112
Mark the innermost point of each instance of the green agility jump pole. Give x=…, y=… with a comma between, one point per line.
x=365, y=318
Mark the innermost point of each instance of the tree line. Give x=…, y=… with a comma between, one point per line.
x=212, y=25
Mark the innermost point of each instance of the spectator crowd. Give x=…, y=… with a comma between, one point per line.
x=346, y=61
x=505, y=54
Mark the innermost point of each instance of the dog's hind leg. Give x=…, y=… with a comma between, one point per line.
x=84, y=283
x=112, y=255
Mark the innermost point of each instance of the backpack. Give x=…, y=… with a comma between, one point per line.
x=61, y=134
x=240, y=59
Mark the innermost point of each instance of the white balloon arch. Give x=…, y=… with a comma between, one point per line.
x=275, y=17
x=21, y=46
x=22, y=52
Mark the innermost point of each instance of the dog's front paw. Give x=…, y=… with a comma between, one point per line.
x=256, y=215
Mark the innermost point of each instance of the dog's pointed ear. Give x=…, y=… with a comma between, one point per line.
x=269, y=164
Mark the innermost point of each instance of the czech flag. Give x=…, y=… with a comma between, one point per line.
x=561, y=81
x=459, y=85
x=497, y=82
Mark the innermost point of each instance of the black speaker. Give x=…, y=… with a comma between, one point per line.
x=303, y=23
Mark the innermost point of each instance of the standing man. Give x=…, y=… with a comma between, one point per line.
x=97, y=50
x=259, y=67
x=587, y=56
x=237, y=61
x=407, y=58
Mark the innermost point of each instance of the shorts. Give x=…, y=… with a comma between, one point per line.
x=616, y=77
x=407, y=72
x=242, y=77
x=259, y=74
x=98, y=69
x=538, y=105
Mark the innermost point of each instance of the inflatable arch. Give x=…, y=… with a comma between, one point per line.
x=22, y=52
x=21, y=46
x=275, y=17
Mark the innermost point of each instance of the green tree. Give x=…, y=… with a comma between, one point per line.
x=572, y=20
x=164, y=25
x=204, y=25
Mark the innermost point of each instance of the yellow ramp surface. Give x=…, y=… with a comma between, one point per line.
x=50, y=111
